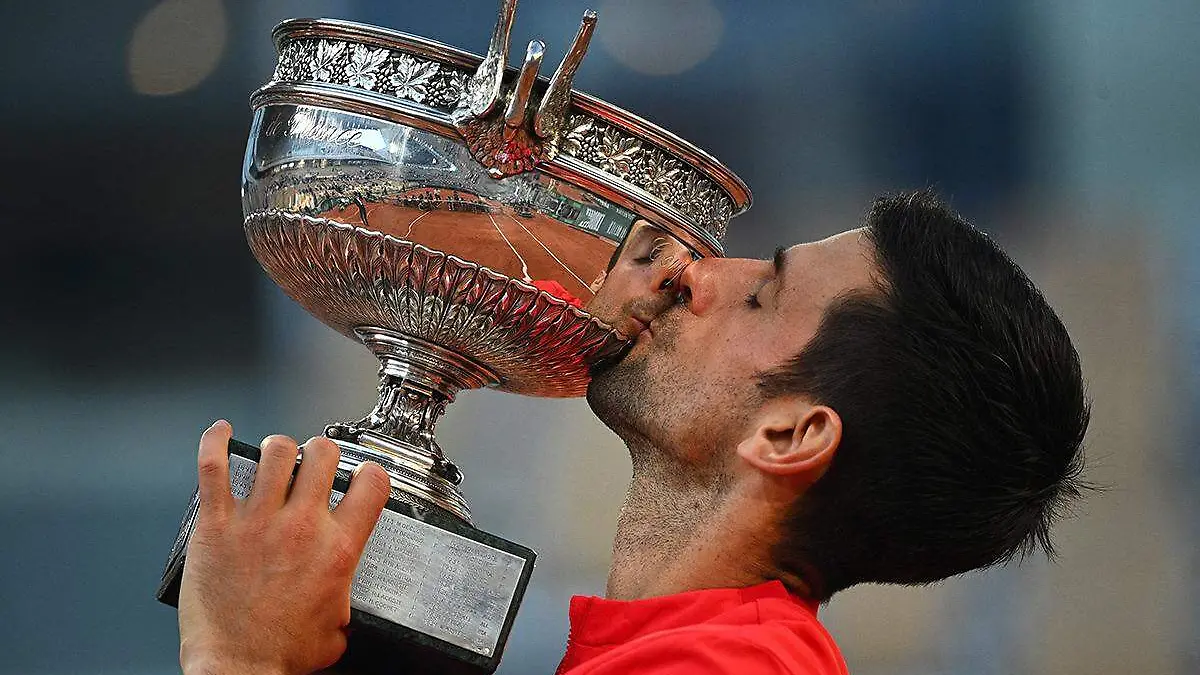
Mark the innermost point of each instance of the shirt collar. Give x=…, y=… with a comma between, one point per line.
x=600, y=621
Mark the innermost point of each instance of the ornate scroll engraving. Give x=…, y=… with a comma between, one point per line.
x=348, y=277
x=659, y=173
x=446, y=87
x=618, y=152
x=406, y=416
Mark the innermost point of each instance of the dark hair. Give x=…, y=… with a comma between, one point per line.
x=962, y=405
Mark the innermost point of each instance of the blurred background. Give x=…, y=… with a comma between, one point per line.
x=1069, y=129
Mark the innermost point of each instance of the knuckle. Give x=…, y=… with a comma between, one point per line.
x=319, y=446
x=278, y=446
x=300, y=529
x=210, y=466
x=380, y=485
x=332, y=648
x=210, y=524
x=255, y=528
x=344, y=556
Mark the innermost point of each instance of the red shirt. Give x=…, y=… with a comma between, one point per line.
x=740, y=631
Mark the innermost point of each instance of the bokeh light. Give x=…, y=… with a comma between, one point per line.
x=176, y=45
x=660, y=37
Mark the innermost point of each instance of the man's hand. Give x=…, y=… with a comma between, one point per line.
x=266, y=585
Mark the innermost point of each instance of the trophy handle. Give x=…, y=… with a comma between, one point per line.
x=417, y=380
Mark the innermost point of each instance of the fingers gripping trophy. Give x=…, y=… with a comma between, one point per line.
x=474, y=225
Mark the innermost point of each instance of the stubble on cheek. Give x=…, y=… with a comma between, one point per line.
x=618, y=394
x=634, y=395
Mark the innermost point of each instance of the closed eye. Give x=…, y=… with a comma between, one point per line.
x=660, y=245
x=777, y=263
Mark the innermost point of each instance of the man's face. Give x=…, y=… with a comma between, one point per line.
x=688, y=385
x=640, y=285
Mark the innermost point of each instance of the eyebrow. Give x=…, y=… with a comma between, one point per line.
x=780, y=259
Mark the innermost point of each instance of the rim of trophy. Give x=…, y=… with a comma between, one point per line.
x=699, y=217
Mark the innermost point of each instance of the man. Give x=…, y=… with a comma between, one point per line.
x=636, y=285
x=894, y=404
x=638, y=282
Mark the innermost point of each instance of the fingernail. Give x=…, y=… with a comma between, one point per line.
x=219, y=423
x=358, y=469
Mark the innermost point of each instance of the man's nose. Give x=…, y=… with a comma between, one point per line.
x=697, y=284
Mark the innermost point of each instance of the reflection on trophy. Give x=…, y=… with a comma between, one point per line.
x=474, y=226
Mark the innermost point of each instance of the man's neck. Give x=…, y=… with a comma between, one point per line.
x=681, y=530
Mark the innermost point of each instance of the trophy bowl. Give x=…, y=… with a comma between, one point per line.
x=463, y=220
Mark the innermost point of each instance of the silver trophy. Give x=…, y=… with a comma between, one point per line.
x=467, y=222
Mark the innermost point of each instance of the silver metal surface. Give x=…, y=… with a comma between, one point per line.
x=661, y=172
x=445, y=585
x=517, y=145
x=506, y=144
x=518, y=103
x=483, y=93
x=416, y=477
x=351, y=277
x=552, y=112
x=465, y=220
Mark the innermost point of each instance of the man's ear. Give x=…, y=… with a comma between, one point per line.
x=793, y=438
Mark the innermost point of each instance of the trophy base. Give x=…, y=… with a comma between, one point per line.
x=431, y=595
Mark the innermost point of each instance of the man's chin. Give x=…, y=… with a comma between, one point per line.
x=618, y=390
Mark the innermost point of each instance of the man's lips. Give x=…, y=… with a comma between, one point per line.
x=635, y=327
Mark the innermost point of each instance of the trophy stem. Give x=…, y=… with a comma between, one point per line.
x=417, y=380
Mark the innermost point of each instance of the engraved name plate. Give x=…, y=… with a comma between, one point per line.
x=442, y=584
